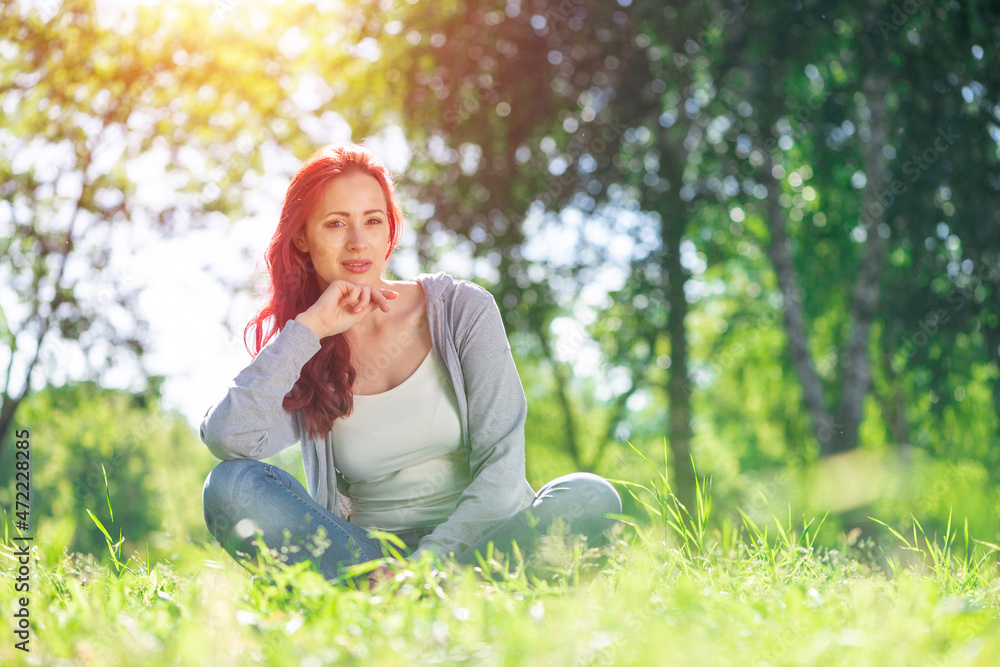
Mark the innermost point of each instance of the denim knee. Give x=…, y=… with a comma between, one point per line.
x=225, y=491
x=585, y=494
x=604, y=495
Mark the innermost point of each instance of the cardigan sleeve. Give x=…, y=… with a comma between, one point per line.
x=496, y=414
x=250, y=422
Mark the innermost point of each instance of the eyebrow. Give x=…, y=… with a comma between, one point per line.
x=347, y=215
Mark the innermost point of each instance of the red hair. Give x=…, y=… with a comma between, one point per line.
x=323, y=390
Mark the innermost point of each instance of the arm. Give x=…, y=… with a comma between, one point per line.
x=250, y=421
x=496, y=414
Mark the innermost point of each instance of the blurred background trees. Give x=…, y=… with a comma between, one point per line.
x=151, y=458
x=762, y=234
x=90, y=99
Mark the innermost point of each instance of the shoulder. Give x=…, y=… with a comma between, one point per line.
x=442, y=289
x=461, y=309
x=411, y=297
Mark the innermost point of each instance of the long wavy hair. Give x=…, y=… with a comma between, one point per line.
x=323, y=390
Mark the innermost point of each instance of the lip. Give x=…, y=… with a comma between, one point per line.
x=357, y=265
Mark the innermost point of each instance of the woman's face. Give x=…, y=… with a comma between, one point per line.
x=347, y=233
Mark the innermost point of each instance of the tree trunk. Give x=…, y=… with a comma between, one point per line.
x=562, y=380
x=991, y=336
x=678, y=386
x=7, y=419
x=794, y=316
x=857, y=375
x=892, y=403
x=11, y=403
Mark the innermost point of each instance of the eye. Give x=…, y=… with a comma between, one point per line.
x=333, y=223
x=374, y=221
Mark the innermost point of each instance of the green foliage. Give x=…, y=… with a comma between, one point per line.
x=624, y=108
x=952, y=573
x=115, y=117
x=688, y=525
x=747, y=593
x=114, y=548
x=942, y=490
x=625, y=132
x=154, y=464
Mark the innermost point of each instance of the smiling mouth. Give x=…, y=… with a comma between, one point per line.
x=357, y=265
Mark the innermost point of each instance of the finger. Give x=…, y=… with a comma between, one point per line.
x=380, y=299
x=364, y=299
x=349, y=293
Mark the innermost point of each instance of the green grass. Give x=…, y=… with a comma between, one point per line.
x=676, y=591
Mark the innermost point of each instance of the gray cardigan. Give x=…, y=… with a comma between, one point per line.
x=469, y=341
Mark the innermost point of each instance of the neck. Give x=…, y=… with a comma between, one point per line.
x=366, y=327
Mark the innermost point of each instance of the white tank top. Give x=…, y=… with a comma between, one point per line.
x=401, y=453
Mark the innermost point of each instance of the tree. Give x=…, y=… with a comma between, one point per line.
x=81, y=433
x=706, y=113
x=848, y=98
x=145, y=118
x=503, y=152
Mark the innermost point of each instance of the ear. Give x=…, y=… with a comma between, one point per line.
x=299, y=239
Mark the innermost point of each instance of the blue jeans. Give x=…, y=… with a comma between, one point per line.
x=244, y=496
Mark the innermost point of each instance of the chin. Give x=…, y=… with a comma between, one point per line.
x=369, y=277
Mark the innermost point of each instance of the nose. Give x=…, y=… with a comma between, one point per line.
x=355, y=238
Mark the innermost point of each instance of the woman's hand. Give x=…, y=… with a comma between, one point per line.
x=342, y=305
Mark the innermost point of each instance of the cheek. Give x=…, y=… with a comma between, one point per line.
x=320, y=247
x=318, y=252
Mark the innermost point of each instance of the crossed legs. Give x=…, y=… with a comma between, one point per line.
x=244, y=496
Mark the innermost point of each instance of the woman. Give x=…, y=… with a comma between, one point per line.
x=403, y=395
